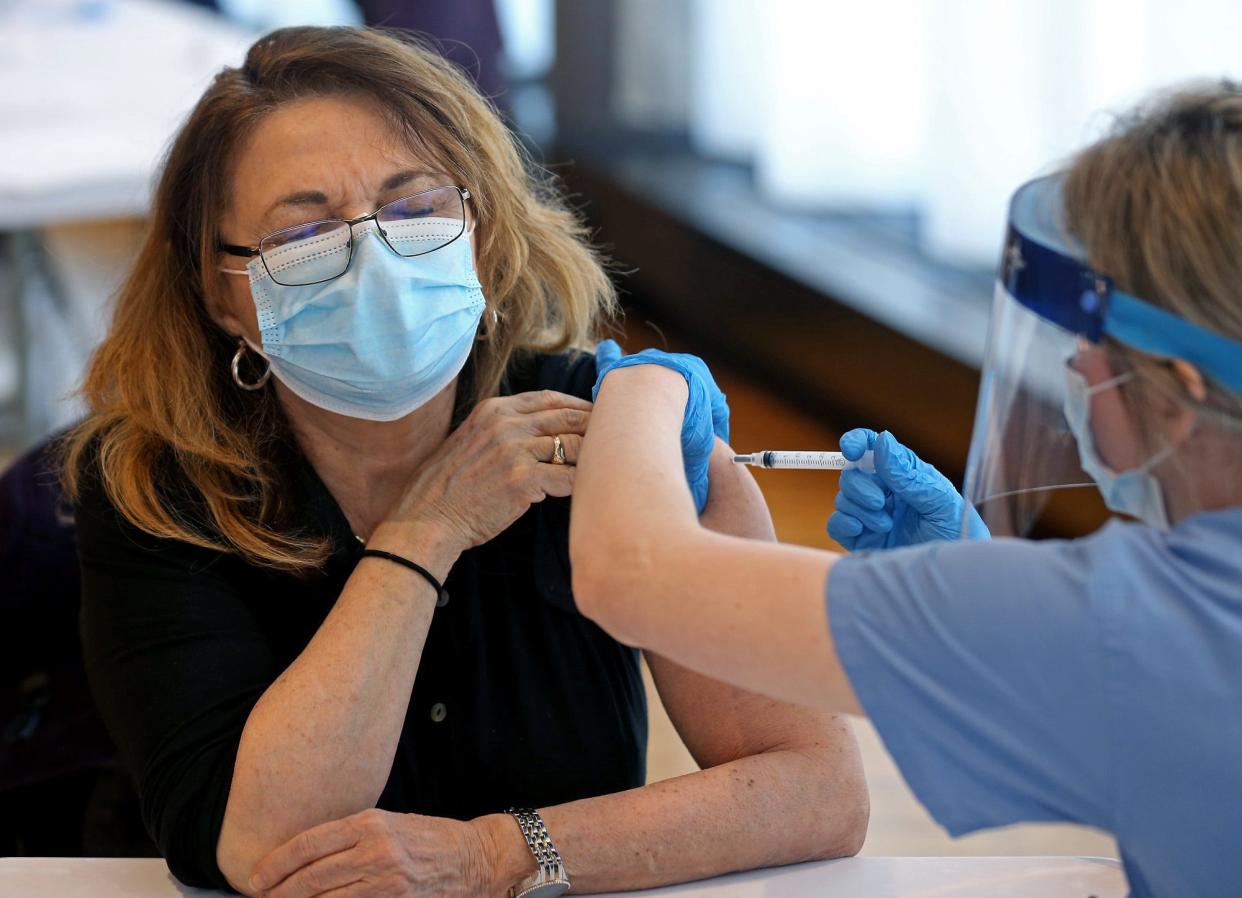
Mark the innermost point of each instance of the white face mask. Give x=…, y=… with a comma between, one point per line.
x=1134, y=492
x=380, y=340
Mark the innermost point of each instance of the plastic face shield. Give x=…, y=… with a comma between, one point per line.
x=1048, y=306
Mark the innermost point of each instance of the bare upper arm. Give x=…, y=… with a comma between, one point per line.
x=731, y=604
x=717, y=721
x=735, y=504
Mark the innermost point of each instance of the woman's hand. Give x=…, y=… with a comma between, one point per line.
x=377, y=854
x=706, y=416
x=496, y=465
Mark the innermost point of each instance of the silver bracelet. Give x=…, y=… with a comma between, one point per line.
x=549, y=878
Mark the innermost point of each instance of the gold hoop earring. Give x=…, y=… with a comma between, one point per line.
x=237, y=357
x=494, y=321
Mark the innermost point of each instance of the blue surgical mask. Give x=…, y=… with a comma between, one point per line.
x=379, y=341
x=1134, y=492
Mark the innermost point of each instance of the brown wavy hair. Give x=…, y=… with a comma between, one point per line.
x=1158, y=205
x=167, y=430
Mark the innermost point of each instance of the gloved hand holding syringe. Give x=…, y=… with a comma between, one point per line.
x=824, y=461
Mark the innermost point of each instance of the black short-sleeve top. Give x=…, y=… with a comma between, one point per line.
x=519, y=700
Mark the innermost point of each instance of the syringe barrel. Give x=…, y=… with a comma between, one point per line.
x=826, y=461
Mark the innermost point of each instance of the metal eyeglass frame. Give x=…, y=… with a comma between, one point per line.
x=250, y=252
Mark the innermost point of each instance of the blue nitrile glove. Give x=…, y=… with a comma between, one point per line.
x=904, y=503
x=707, y=412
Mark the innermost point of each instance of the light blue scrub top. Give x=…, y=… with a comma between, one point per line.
x=1097, y=681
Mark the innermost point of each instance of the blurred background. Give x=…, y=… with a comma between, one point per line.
x=810, y=194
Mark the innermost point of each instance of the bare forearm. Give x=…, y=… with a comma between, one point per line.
x=753, y=812
x=319, y=744
x=781, y=784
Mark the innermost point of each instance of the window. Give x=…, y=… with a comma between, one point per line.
x=941, y=108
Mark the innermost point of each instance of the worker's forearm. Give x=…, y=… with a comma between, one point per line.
x=744, y=612
x=778, y=807
x=629, y=473
x=319, y=744
x=630, y=494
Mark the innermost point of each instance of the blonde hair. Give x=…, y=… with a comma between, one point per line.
x=159, y=390
x=1158, y=205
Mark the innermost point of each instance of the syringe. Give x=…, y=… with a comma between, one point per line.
x=826, y=461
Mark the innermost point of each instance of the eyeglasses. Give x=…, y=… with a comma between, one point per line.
x=319, y=251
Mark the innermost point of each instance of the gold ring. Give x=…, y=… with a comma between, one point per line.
x=558, y=451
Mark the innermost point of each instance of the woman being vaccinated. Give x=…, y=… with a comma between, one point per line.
x=1095, y=680
x=322, y=515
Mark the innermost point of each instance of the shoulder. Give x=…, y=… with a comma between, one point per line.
x=1116, y=555
x=94, y=512
x=93, y=503
x=991, y=596
x=1210, y=540
x=108, y=539
x=1199, y=558
x=999, y=570
x=1176, y=593
x=571, y=372
x=1124, y=578
x=90, y=497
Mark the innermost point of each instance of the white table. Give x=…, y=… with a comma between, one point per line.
x=90, y=101
x=90, y=93
x=863, y=877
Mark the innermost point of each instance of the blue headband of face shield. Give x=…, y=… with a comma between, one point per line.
x=1045, y=269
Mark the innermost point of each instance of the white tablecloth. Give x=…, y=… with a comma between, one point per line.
x=863, y=877
x=92, y=92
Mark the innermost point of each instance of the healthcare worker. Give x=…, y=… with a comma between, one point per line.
x=1096, y=680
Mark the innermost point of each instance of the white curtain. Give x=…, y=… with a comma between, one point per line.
x=943, y=106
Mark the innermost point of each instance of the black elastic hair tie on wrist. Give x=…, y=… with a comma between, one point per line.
x=441, y=593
